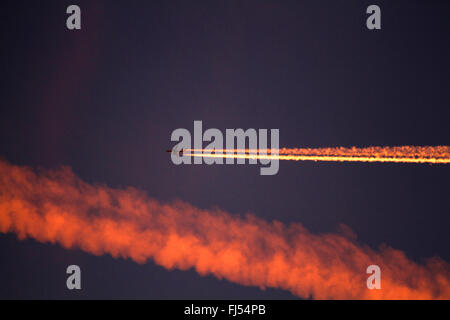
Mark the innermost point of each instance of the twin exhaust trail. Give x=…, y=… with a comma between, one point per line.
x=400, y=154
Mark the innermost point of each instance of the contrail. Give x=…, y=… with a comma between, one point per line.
x=401, y=154
x=55, y=206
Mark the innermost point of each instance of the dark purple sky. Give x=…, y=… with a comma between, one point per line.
x=104, y=100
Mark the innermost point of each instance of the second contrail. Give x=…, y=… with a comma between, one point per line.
x=400, y=154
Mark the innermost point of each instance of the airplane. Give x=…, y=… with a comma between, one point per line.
x=175, y=151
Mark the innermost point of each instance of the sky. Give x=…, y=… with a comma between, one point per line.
x=105, y=99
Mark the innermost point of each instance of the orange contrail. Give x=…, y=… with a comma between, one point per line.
x=401, y=154
x=57, y=207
